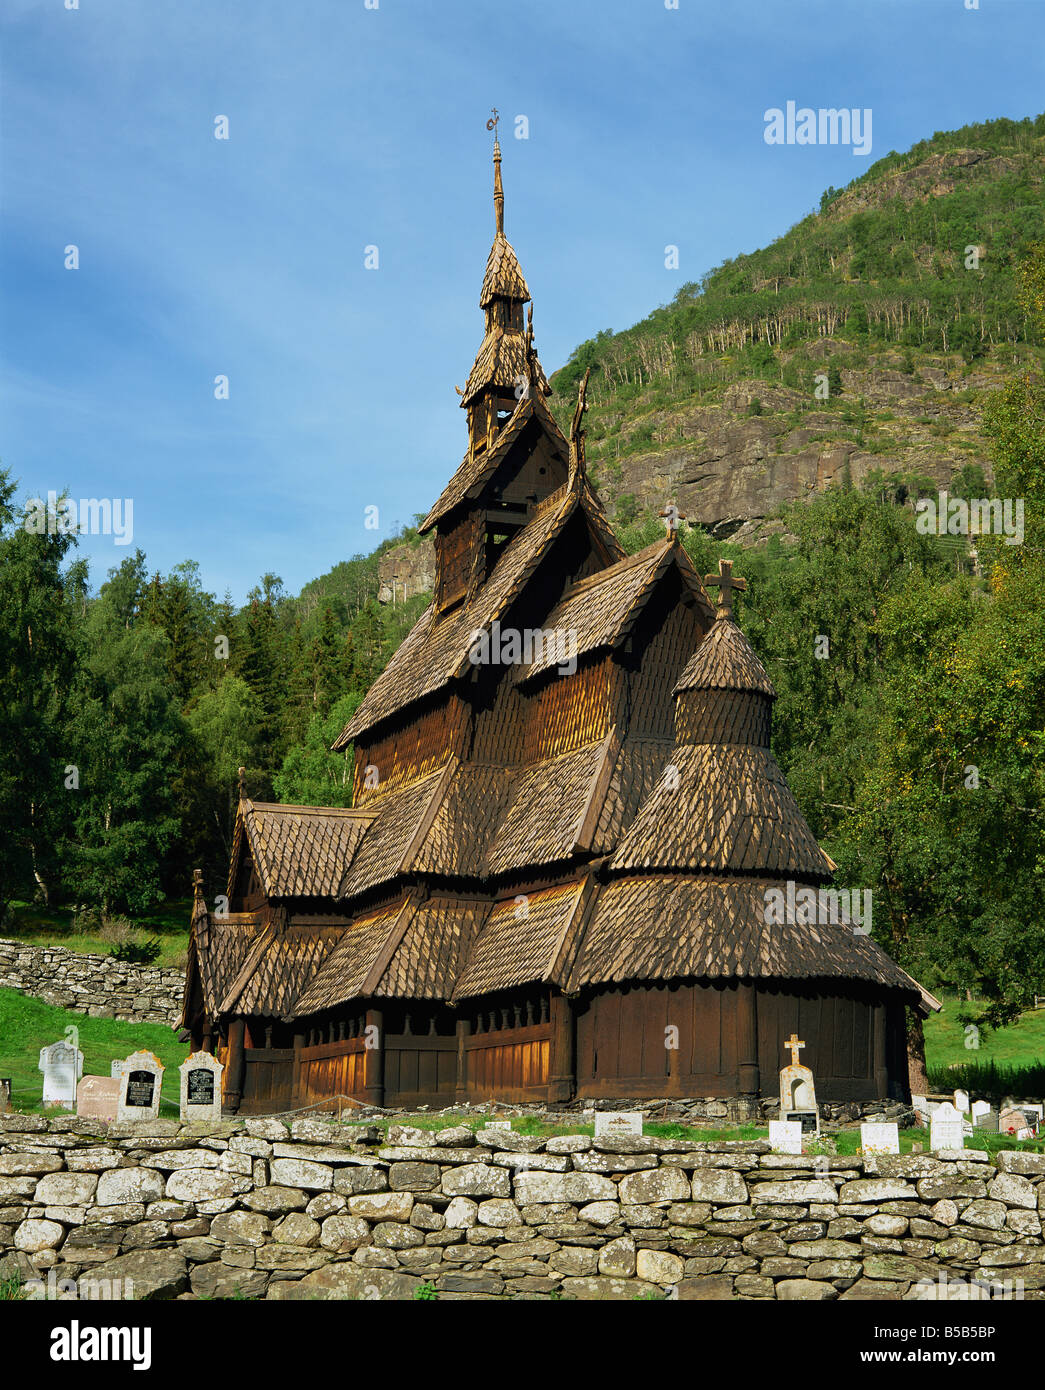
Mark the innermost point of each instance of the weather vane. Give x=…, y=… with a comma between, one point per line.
x=491, y=124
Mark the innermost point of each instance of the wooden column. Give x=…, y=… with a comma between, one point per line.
x=464, y=1029
x=749, y=1082
x=297, y=1086
x=562, y=1069
x=374, y=1059
x=207, y=1040
x=881, y=1071
x=236, y=1065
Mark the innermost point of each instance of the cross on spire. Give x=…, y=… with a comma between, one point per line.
x=725, y=583
x=672, y=516
x=793, y=1043
x=498, y=189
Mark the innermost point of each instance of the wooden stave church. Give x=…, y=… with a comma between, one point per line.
x=550, y=886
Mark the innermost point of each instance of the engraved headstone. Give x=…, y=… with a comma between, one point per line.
x=880, y=1138
x=140, y=1087
x=785, y=1136
x=797, y=1092
x=612, y=1123
x=1011, y=1120
x=961, y=1101
x=98, y=1096
x=200, y=1087
x=5, y=1094
x=61, y=1064
x=947, y=1130
x=979, y=1107
x=987, y=1120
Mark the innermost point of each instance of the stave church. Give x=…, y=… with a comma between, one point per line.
x=553, y=879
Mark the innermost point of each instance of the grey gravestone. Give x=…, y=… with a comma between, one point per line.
x=785, y=1136
x=946, y=1129
x=611, y=1122
x=61, y=1065
x=140, y=1080
x=987, y=1120
x=200, y=1087
x=5, y=1094
x=880, y=1138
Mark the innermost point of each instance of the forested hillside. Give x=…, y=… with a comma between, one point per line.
x=911, y=671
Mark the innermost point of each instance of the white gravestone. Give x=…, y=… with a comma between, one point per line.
x=961, y=1101
x=62, y=1066
x=797, y=1092
x=785, y=1136
x=140, y=1080
x=881, y=1138
x=612, y=1123
x=980, y=1107
x=947, y=1129
x=200, y=1087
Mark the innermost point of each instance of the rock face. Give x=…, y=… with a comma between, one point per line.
x=94, y=985
x=699, y=1221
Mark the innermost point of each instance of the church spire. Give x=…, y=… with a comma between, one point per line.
x=505, y=370
x=498, y=187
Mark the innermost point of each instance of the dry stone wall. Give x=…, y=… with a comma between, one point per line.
x=94, y=985
x=318, y=1209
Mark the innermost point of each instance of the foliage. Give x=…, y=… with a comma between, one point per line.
x=137, y=952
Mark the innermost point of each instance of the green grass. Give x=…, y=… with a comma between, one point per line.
x=39, y=926
x=27, y=1025
x=1020, y=1044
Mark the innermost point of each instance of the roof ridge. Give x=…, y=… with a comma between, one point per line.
x=348, y=811
x=590, y=581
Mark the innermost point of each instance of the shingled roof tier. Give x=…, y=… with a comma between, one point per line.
x=725, y=660
x=298, y=851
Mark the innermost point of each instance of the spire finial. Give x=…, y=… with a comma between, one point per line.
x=498, y=188
x=725, y=581
x=242, y=771
x=576, y=433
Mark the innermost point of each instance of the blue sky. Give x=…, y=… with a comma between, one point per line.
x=350, y=127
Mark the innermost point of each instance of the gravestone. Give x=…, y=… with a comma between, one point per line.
x=609, y=1123
x=61, y=1064
x=961, y=1101
x=947, y=1130
x=5, y=1094
x=116, y=1069
x=979, y=1107
x=200, y=1087
x=785, y=1136
x=880, y=1138
x=140, y=1087
x=797, y=1092
x=988, y=1121
x=920, y=1106
x=1012, y=1120
x=98, y=1096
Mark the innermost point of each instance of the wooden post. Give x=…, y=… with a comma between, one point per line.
x=749, y=1081
x=917, y=1081
x=562, y=1078
x=464, y=1029
x=236, y=1064
x=207, y=1042
x=881, y=1071
x=374, y=1058
x=297, y=1086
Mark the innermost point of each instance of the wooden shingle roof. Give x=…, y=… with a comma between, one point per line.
x=725, y=660
x=283, y=963
x=502, y=360
x=659, y=927
x=503, y=277
x=722, y=808
x=522, y=943
x=435, y=652
x=346, y=972
x=220, y=959
x=433, y=948
x=399, y=825
x=299, y=851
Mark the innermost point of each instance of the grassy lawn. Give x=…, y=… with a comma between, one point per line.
x=38, y=926
x=1006, y=1060
x=27, y=1025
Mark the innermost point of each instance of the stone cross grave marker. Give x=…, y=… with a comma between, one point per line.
x=946, y=1129
x=880, y=1138
x=61, y=1064
x=140, y=1080
x=609, y=1123
x=200, y=1087
x=98, y=1097
x=797, y=1092
x=785, y=1136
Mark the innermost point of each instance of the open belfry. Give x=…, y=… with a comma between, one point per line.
x=552, y=883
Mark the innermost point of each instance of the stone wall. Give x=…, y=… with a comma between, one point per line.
x=317, y=1209
x=94, y=985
